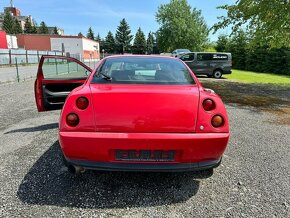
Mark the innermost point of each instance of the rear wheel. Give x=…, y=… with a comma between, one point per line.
x=217, y=74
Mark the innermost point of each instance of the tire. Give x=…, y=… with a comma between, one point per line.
x=217, y=74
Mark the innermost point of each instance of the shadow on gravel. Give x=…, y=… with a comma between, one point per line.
x=48, y=183
x=35, y=129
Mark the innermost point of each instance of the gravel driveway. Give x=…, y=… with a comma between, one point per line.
x=252, y=181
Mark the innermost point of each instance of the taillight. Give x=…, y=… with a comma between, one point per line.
x=217, y=121
x=208, y=104
x=82, y=103
x=72, y=119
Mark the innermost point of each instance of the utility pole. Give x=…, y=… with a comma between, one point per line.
x=11, y=3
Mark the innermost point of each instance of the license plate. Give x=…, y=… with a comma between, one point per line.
x=145, y=155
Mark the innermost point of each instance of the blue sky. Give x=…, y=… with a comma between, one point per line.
x=76, y=16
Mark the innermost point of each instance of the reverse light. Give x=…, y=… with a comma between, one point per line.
x=208, y=104
x=72, y=119
x=82, y=103
x=217, y=121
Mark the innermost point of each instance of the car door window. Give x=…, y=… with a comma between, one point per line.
x=187, y=57
x=57, y=68
x=204, y=57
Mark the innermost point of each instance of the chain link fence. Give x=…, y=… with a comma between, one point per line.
x=19, y=65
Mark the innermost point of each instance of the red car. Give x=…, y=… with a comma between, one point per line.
x=133, y=113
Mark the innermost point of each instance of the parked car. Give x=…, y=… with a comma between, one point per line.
x=132, y=113
x=179, y=52
x=208, y=63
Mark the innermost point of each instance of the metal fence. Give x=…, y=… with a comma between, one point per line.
x=19, y=65
x=13, y=56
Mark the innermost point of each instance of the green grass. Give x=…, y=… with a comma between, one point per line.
x=261, y=78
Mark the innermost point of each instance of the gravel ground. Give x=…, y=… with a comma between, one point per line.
x=252, y=181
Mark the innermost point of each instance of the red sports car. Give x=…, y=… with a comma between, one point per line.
x=133, y=113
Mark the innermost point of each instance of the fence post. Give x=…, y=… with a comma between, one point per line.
x=17, y=73
x=38, y=56
x=26, y=57
x=10, y=59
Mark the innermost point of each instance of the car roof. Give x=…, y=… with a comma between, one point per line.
x=144, y=56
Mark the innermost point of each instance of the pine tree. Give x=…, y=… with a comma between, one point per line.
x=8, y=23
x=17, y=27
x=34, y=29
x=80, y=34
x=110, y=44
x=123, y=36
x=43, y=28
x=28, y=26
x=150, y=43
x=90, y=34
x=98, y=38
x=139, y=46
x=55, y=31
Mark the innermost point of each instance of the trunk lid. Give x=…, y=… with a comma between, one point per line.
x=145, y=108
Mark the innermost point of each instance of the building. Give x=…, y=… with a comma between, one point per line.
x=15, y=12
x=7, y=41
x=75, y=46
x=59, y=31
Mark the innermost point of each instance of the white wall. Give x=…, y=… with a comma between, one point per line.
x=11, y=41
x=90, y=45
x=72, y=45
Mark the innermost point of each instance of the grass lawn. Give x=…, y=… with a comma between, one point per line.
x=262, y=78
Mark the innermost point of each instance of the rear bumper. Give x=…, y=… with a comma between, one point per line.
x=150, y=167
x=94, y=150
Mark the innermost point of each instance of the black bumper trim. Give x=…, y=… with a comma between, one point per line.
x=150, y=167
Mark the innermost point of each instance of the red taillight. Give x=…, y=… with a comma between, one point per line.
x=82, y=103
x=217, y=121
x=208, y=104
x=72, y=119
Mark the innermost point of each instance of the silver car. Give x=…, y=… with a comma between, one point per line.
x=211, y=64
x=179, y=52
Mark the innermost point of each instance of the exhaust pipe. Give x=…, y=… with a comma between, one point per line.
x=75, y=169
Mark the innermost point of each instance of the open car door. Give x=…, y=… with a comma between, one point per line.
x=57, y=76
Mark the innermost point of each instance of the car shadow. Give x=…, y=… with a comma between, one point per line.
x=35, y=128
x=49, y=183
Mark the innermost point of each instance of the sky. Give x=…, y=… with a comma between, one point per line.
x=76, y=16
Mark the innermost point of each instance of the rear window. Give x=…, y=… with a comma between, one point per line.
x=143, y=70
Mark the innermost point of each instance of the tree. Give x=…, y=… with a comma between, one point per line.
x=222, y=43
x=180, y=27
x=110, y=44
x=8, y=23
x=123, y=36
x=55, y=31
x=237, y=45
x=28, y=26
x=98, y=38
x=17, y=27
x=43, y=28
x=268, y=19
x=80, y=34
x=150, y=43
x=139, y=45
x=90, y=34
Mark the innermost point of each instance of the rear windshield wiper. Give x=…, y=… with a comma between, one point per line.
x=106, y=77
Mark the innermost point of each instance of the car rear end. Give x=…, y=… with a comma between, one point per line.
x=143, y=127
